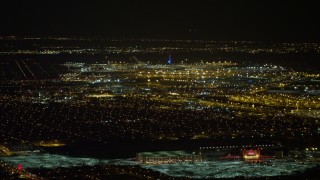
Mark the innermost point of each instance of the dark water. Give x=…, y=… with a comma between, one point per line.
x=128, y=149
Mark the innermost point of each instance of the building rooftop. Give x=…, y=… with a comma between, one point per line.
x=165, y=153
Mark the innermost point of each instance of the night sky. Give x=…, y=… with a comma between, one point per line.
x=275, y=20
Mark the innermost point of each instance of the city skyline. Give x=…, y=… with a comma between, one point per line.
x=159, y=89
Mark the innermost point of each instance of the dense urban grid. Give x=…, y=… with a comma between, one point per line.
x=62, y=92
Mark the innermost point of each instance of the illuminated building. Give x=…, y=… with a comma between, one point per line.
x=167, y=157
x=251, y=155
x=169, y=59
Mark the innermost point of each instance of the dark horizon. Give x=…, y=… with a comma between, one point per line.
x=216, y=20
